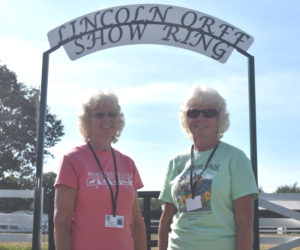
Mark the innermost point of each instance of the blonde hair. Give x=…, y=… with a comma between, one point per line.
x=199, y=95
x=96, y=100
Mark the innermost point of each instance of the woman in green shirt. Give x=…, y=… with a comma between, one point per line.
x=209, y=189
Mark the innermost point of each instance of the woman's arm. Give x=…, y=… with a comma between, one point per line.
x=138, y=227
x=164, y=225
x=63, y=208
x=243, y=213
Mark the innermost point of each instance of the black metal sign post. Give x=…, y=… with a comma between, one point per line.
x=144, y=24
x=36, y=237
x=253, y=141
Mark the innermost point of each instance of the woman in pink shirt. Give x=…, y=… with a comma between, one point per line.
x=96, y=204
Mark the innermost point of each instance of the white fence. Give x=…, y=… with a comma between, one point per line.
x=283, y=204
x=18, y=226
x=16, y=222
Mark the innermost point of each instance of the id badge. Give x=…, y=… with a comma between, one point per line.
x=114, y=221
x=193, y=204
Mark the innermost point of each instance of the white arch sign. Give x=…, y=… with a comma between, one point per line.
x=143, y=24
x=149, y=24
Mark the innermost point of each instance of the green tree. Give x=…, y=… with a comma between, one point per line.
x=288, y=189
x=18, y=140
x=18, y=130
x=260, y=190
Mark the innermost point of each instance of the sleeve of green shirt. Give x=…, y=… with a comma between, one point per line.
x=165, y=194
x=242, y=177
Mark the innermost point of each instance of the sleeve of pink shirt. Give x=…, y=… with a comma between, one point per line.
x=67, y=174
x=137, y=181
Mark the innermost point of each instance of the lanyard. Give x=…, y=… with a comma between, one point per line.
x=113, y=199
x=193, y=186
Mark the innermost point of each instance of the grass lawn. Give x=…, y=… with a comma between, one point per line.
x=19, y=246
x=262, y=247
x=27, y=245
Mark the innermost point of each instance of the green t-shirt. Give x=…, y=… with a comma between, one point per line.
x=227, y=177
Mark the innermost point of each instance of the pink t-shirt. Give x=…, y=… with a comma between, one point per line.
x=80, y=170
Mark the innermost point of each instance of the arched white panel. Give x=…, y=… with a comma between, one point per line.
x=149, y=24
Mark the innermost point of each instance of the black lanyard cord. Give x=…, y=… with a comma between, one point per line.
x=193, y=186
x=113, y=199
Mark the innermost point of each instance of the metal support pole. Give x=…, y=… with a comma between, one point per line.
x=36, y=237
x=253, y=143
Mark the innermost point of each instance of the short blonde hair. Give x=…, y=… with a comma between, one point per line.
x=96, y=100
x=200, y=95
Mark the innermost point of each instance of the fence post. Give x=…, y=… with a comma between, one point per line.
x=147, y=220
x=51, y=245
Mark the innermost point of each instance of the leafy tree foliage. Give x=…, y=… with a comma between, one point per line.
x=260, y=190
x=18, y=131
x=288, y=189
x=18, y=138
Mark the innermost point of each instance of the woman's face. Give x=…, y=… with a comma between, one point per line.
x=203, y=125
x=103, y=121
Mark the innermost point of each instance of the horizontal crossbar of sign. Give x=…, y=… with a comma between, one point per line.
x=149, y=24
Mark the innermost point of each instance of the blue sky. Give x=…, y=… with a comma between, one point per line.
x=151, y=81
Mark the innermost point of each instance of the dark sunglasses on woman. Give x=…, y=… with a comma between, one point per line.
x=207, y=113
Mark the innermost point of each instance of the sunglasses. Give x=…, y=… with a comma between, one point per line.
x=207, y=113
x=100, y=115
